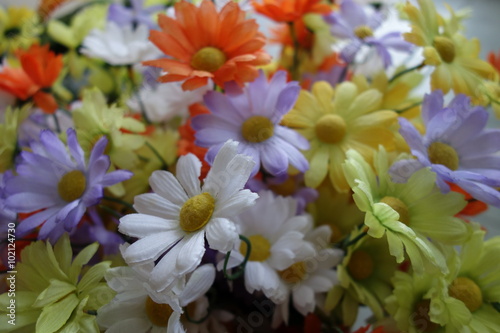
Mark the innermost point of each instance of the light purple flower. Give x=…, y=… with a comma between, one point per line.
x=352, y=23
x=456, y=146
x=136, y=14
x=334, y=75
x=252, y=117
x=59, y=181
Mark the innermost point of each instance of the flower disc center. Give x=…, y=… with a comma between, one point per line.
x=360, y=265
x=363, y=31
x=158, y=314
x=467, y=291
x=196, y=212
x=261, y=248
x=445, y=48
x=441, y=153
x=208, y=59
x=399, y=206
x=72, y=185
x=294, y=274
x=330, y=128
x=257, y=129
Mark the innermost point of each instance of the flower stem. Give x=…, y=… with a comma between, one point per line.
x=124, y=203
x=295, y=61
x=408, y=107
x=130, y=72
x=354, y=240
x=111, y=211
x=164, y=165
x=241, y=267
x=408, y=70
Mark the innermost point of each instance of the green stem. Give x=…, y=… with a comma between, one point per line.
x=56, y=121
x=295, y=61
x=157, y=154
x=241, y=267
x=124, y=203
x=408, y=107
x=111, y=211
x=408, y=70
x=355, y=239
x=130, y=72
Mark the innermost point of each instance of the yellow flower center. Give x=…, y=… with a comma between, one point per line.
x=257, y=129
x=288, y=187
x=158, y=314
x=294, y=274
x=421, y=319
x=363, y=31
x=72, y=185
x=441, y=153
x=208, y=59
x=445, y=48
x=467, y=291
x=360, y=265
x=399, y=206
x=196, y=212
x=330, y=128
x=261, y=248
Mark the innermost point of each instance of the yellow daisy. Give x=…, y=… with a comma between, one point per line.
x=335, y=121
x=19, y=28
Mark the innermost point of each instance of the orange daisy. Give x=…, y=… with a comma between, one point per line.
x=205, y=44
x=290, y=10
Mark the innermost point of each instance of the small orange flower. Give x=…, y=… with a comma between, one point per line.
x=205, y=44
x=16, y=82
x=474, y=207
x=42, y=65
x=290, y=10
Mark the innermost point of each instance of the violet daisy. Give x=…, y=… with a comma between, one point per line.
x=456, y=146
x=136, y=13
x=252, y=118
x=352, y=23
x=60, y=183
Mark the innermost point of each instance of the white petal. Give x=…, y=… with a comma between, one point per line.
x=141, y=225
x=165, y=184
x=151, y=247
x=163, y=276
x=303, y=299
x=236, y=204
x=174, y=324
x=198, y=284
x=153, y=204
x=221, y=234
x=191, y=253
x=188, y=171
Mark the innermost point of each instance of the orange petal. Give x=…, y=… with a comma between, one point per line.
x=172, y=27
x=171, y=78
x=45, y=101
x=194, y=83
x=170, y=66
x=169, y=45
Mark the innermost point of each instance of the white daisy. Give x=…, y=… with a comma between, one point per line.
x=172, y=222
x=276, y=236
x=138, y=309
x=120, y=45
x=306, y=279
x=166, y=101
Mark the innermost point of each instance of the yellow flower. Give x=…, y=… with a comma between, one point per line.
x=8, y=136
x=52, y=294
x=364, y=277
x=457, y=66
x=335, y=121
x=19, y=28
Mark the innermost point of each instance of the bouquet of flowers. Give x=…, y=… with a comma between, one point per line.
x=252, y=166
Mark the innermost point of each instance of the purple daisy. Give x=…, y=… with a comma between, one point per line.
x=456, y=146
x=252, y=117
x=135, y=14
x=352, y=23
x=58, y=182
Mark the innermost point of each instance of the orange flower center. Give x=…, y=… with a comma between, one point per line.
x=360, y=265
x=72, y=185
x=330, y=128
x=445, y=48
x=441, y=153
x=257, y=129
x=158, y=314
x=261, y=248
x=399, y=206
x=208, y=59
x=363, y=31
x=196, y=212
x=467, y=291
x=294, y=274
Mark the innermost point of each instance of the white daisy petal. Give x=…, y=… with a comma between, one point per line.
x=235, y=204
x=132, y=325
x=151, y=247
x=191, y=253
x=221, y=234
x=141, y=225
x=198, y=284
x=165, y=184
x=188, y=171
x=153, y=204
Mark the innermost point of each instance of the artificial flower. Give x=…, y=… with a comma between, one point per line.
x=59, y=181
x=120, y=45
x=175, y=219
x=456, y=146
x=8, y=134
x=19, y=28
x=335, y=121
x=252, y=118
x=409, y=214
x=204, y=44
x=290, y=10
x=135, y=13
x=353, y=24
x=53, y=293
x=276, y=235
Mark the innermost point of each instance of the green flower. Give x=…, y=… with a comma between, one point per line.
x=408, y=214
x=52, y=293
x=8, y=136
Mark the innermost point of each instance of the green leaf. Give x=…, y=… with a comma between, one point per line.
x=54, y=292
x=81, y=259
x=55, y=316
x=93, y=276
